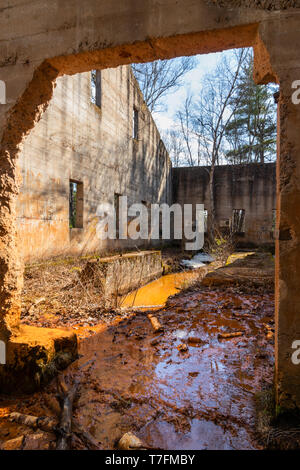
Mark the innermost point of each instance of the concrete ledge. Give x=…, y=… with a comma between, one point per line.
x=255, y=269
x=122, y=273
x=34, y=357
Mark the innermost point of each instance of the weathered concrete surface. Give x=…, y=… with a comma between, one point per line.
x=288, y=244
x=283, y=43
x=139, y=381
x=262, y=4
x=253, y=270
x=121, y=274
x=71, y=37
x=250, y=187
x=34, y=356
x=76, y=140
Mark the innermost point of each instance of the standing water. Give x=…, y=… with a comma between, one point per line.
x=188, y=387
x=200, y=396
x=156, y=293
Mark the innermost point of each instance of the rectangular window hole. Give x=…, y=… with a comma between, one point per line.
x=76, y=204
x=96, y=88
x=135, y=134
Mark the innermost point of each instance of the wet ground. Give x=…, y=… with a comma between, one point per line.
x=184, y=388
x=132, y=379
x=199, y=399
x=156, y=293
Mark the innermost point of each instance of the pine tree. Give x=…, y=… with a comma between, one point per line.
x=251, y=133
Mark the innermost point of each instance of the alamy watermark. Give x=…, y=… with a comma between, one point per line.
x=296, y=94
x=296, y=354
x=152, y=222
x=2, y=92
x=2, y=353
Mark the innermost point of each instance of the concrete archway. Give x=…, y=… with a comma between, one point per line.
x=76, y=37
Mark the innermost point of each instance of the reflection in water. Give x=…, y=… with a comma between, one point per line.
x=199, y=399
x=158, y=292
x=131, y=379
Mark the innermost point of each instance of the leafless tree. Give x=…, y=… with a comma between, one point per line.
x=185, y=119
x=203, y=120
x=212, y=113
x=175, y=146
x=251, y=134
x=159, y=78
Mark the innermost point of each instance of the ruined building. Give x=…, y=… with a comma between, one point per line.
x=37, y=47
x=244, y=199
x=99, y=141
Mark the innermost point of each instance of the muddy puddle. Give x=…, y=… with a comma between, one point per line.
x=156, y=293
x=132, y=379
x=135, y=380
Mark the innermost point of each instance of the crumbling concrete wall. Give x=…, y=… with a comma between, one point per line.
x=77, y=140
x=118, y=275
x=39, y=43
x=261, y=4
x=250, y=187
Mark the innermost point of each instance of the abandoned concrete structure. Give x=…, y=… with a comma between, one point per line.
x=88, y=141
x=86, y=138
x=244, y=195
x=76, y=37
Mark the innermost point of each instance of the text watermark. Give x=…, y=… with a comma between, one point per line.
x=2, y=352
x=152, y=222
x=2, y=92
x=296, y=354
x=296, y=94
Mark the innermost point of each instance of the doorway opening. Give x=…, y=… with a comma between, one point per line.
x=147, y=180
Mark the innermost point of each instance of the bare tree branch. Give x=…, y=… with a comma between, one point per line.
x=157, y=79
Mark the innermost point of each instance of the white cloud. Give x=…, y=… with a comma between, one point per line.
x=163, y=121
x=191, y=85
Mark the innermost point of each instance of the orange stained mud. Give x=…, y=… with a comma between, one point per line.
x=135, y=380
x=156, y=293
x=132, y=379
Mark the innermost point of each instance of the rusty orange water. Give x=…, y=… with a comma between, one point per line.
x=156, y=293
x=135, y=380
x=132, y=379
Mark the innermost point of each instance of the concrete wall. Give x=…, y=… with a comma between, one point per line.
x=121, y=274
x=76, y=140
x=250, y=187
x=262, y=4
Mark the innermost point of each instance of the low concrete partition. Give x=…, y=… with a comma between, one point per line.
x=123, y=273
x=249, y=269
x=34, y=356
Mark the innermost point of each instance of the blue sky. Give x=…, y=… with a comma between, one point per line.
x=191, y=84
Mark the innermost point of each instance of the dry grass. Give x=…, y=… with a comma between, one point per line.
x=54, y=295
x=221, y=247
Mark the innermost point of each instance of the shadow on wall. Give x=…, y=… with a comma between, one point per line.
x=44, y=217
x=238, y=189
